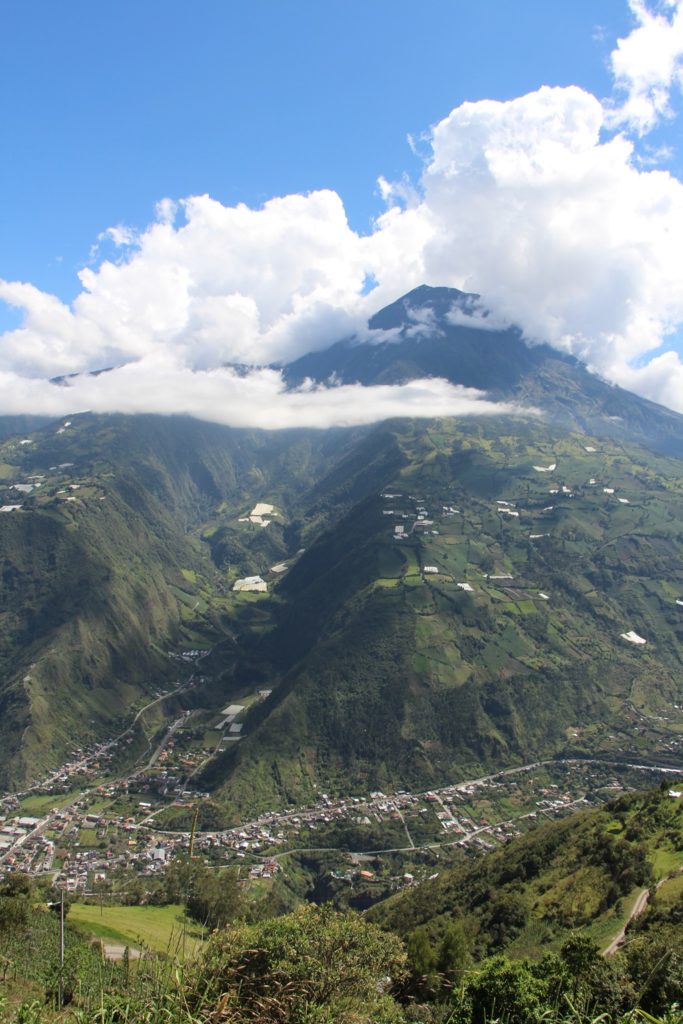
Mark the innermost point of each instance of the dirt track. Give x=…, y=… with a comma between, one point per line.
x=117, y=951
x=638, y=908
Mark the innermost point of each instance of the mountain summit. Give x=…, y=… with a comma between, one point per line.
x=443, y=332
x=401, y=604
x=437, y=332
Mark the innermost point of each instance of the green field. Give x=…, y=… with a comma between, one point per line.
x=163, y=929
x=87, y=837
x=39, y=804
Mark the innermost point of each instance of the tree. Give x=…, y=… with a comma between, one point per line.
x=506, y=990
x=214, y=898
x=595, y=984
x=422, y=981
x=14, y=914
x=454, y=954
x=177, y=880
x=16, y=884
x=655, y=966
x=507, y=914
x=580, y=953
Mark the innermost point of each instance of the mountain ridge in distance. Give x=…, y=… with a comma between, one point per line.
x=383, y=673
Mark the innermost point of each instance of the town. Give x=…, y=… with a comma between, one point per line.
x=111, y=810
x=85, y=839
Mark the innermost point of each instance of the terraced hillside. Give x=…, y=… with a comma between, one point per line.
x=477, y=610
x=434, y=598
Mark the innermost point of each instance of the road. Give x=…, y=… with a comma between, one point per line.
x=639, y=906
x=45, y=822
x=279, y=819
x=167, y=736
x=459, y=786
x=117, y=951
x=405, y=827
x=83, y=763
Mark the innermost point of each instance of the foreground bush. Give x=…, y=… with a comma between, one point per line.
x=315, y=965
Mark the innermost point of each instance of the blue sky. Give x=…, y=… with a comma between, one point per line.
x=106, y=108
x=562, y=206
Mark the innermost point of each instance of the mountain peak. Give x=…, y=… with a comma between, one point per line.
x=439, y=300
x=421, y=335
x=444, y=332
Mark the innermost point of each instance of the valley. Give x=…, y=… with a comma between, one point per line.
x=427, y=669
x=115, y=835
x=204, y=630
x=341, y=513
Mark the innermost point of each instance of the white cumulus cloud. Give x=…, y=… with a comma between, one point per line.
x=560, y=230
x=536, y=203
x=647, y=64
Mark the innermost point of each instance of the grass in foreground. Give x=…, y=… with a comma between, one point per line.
x=158, y=928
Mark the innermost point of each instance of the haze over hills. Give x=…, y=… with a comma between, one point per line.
x=448, y=595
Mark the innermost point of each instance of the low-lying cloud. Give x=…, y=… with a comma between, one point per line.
x=257, y=399
x=540, y=204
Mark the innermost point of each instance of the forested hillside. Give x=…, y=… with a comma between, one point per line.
x=437, y=597
x=532, y=895
x=514, y=936
x=475, y=611
x=101, y=542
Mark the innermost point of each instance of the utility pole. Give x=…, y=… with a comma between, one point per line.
x=194, y=829
x=59, y=908
x=61, y=952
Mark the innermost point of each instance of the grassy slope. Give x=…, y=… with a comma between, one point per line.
x=103, y=569
x=580, y=873
x=163, y=929
x=86, y=608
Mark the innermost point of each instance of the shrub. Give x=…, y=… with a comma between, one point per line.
x=315, y=965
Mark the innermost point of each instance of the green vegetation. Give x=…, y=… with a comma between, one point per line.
x=319, y=965
x=421, y=682
x=381, y=673
x=103, y=571
x=314, y=964
x=446, y=609
x=384, y=672
x=581, y=873
x=29, y=957
x=155, y=928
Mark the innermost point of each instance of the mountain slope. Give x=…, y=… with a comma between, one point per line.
x=491, y=628
x=438, y=332
x=97, y=564
x=578, y=873
x=443, y=596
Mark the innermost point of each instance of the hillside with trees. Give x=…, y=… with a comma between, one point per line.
x=512, y=936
